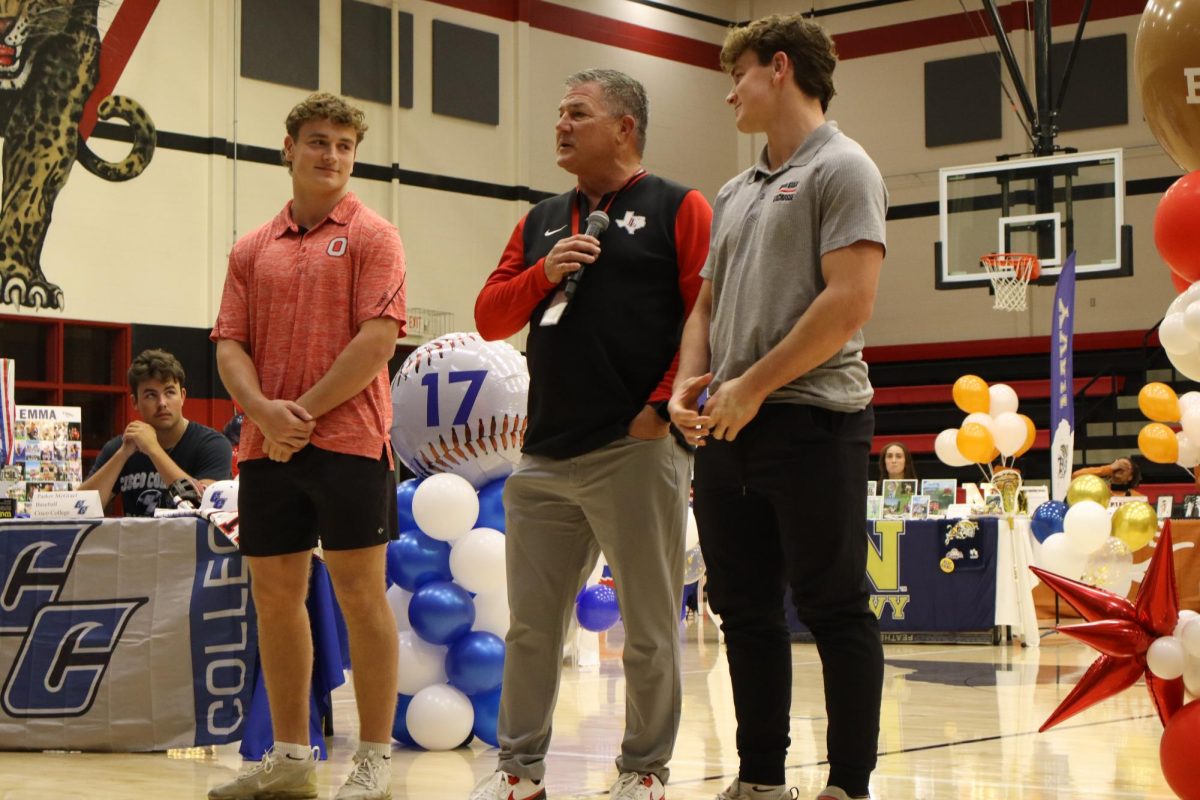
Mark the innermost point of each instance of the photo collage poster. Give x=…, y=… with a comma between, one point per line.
x=47, y=444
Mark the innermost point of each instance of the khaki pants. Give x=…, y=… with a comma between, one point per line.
x=628, y=500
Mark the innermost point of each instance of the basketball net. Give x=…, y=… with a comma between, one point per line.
x=1010, y=274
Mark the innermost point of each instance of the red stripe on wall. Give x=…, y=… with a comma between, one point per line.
x=972, y=25
x=123, y=36
x=897, y=38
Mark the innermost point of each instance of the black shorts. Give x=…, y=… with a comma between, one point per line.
x=348, y=502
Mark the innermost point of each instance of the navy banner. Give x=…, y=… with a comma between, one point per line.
x=1062, y=382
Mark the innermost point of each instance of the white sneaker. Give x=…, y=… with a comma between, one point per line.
x=371, y=779
x=502, y=786
x=757, y=791
x=276, y=777
x=632, y=786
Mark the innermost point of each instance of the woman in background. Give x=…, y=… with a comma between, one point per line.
x=895, y=463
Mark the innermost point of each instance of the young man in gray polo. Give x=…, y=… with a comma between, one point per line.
x=780, y=487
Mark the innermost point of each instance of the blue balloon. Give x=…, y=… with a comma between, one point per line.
x=475, y=663
x=441, y=612
x=596, y=608
x=1047, y=519
x=415, y=559
x=491, y=506
x=400, y=723
x=404, y=496
x=487, y=716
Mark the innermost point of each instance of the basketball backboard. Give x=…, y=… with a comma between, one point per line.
x=1046, y=206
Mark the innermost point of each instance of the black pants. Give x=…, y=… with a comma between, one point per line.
x=784, y=505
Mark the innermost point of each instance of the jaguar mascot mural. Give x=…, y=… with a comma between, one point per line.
x=49, y=65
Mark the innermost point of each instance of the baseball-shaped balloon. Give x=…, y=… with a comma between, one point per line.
x=459, y=406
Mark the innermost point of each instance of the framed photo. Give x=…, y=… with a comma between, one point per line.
x=1163, y=507
x=918, y=506
x=941, y=493
x=874, y=506
x=1035, y=496
x=871, y=487
x=896, y=495
x=1191, y=506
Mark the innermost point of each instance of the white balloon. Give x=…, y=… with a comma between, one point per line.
x=1186, y=364
x=1008, y=432
x=1003, y=399
x=983, y=419
x=946, y=447
x=1188, y=401
x=421, y=664
x=1189, y=451
x=491, y=612
x=1086, y=526
x=691, y=537
x=459, y=405
x=1165, y=657
x=1189, y=634
x=1191, y=424
x=1056, y=555
x=398, y=600
x=1174, y=335
x=440, y=717
x=1189, y=296
x=1185, y=614
x=477, y=561
x=445, y=506
x=1191, y=320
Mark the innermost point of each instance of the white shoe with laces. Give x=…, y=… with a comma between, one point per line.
x=502, y=786
x=757, y=791
x=276, y=777
x=371, y=778
x=632, y=786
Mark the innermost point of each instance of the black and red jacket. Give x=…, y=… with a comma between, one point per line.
x=616, y=347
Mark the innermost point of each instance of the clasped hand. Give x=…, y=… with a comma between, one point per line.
x=727, y=411
x=286, y=427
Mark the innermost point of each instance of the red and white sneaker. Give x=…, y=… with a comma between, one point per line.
x=632, y=786
x=502, y=786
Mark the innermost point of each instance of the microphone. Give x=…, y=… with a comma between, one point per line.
x=597, y=223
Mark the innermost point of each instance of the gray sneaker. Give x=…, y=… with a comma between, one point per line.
x=371, y=779
x=273, y=778
x=757, y=791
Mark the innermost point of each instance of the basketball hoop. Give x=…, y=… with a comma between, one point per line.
x=1010, y=274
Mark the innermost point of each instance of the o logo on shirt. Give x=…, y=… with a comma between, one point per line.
x=337, y=247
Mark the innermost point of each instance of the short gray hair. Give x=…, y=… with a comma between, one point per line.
x=622, y=94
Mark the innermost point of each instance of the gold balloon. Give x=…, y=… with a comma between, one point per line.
x=1163, y=54
x=1088, y=487
x=1135, y=524
x=970, y=393
x=975, y=442
x=1158, y=443
x=1159, y=402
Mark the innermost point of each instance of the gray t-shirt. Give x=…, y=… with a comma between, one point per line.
x=769, y=232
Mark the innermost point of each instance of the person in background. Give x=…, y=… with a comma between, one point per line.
x=161, y=447
x=895, y=463
x=1123, y=476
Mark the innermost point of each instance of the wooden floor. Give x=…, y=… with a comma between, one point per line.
x=958, y=722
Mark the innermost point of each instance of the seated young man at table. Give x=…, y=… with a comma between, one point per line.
x=160, y=448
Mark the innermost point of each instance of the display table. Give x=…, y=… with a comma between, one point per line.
x=989, y=588
x=123, y=635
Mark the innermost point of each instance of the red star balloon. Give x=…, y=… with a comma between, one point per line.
x=1122, y=632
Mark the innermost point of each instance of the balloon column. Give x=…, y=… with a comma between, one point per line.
x=1150, y=638
x=451, y=606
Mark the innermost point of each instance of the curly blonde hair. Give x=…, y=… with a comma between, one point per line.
x=322, y=105
x=807, y=44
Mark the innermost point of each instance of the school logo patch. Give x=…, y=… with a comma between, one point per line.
x=632, y=223
x=337, y=246
x=787, y=192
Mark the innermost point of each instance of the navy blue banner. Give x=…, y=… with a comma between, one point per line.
x=1062, y=381
x=223, y=656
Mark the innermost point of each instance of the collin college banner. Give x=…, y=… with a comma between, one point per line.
x=1062, y=382
x=122, y=635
